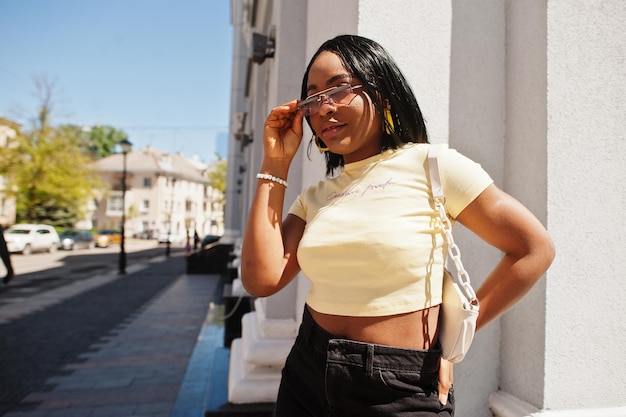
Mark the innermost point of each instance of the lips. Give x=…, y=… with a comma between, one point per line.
x=332, y=130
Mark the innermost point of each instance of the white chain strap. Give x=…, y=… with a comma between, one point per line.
x=461, y=277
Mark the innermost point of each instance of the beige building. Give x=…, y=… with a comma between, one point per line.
x=534, y=91
x=8, y=130
x=165, y=193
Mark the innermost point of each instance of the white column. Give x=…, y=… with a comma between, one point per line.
x=269, y=332
x=238, y=105
x=565, y=156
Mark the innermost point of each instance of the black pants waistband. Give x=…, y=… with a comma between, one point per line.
x=360, y=353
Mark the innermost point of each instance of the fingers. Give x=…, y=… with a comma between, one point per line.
x=283, y=131
x=446, y=379
x=283, y=119
x=283, y=115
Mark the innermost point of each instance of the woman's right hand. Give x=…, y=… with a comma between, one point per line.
x=268, y=254
x=446, y=379
x=282, y=132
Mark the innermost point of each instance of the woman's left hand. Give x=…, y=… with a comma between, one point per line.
x=446, y=378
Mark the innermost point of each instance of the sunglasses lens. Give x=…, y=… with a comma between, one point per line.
x=304, y=109
x=307, y=109
x=337, y=95
x=341, y=96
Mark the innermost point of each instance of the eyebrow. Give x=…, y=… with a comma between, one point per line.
x=331, y=80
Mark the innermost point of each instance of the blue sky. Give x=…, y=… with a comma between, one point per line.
x=158, y=69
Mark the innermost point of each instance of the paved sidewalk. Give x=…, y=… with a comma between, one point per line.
x=141, y=368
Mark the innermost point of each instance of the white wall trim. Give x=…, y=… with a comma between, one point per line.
x=503, y=404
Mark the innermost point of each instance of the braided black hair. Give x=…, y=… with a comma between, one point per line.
x=383, y=82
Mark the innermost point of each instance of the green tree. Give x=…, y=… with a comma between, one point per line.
x=97, y=141
x=46, y=169
x=217, y=175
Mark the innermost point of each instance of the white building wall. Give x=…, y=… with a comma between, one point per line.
x=586, y=91
x=417, y=34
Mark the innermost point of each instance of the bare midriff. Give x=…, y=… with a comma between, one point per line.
x=413, y=330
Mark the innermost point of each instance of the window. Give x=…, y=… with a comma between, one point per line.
x=147, y=182
x=115, y=203
x=145, y=205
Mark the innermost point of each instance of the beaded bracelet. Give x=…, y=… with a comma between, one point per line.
x=272, y=178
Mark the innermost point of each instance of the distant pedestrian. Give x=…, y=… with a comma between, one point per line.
x=196, y=239
x=188, y=242
x=6, y=258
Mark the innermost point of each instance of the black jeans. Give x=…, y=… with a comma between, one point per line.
x=329, y=377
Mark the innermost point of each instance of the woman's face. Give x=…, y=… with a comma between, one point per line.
x=353, y=129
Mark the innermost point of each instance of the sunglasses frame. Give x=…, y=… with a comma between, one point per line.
x=317, y=97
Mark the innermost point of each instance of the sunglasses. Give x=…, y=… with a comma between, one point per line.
x=343, y=94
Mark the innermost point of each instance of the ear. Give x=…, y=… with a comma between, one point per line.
x=380, y=101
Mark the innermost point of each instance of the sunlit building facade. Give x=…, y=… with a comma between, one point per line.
x=165, y=194
x=8, y=130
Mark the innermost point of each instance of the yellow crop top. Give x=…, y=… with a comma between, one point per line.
x=371, y=245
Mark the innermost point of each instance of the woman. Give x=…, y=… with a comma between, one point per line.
x=368, y=240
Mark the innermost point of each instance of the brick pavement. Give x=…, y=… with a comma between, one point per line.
x=141, y=367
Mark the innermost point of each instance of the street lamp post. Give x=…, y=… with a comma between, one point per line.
x=126, y=147
x=169, y=230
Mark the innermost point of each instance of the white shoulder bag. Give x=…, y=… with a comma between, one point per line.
x=460, y=305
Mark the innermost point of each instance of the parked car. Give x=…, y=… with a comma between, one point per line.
x=208, y=239
x=76, y=239
x=107, y=237
x=146, y=234
x=173, y=237
x=28, y=238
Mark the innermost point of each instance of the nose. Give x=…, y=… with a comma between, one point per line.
x=327, y=106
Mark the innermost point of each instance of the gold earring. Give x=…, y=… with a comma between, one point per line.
x=320, y=145
x=389, y=127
